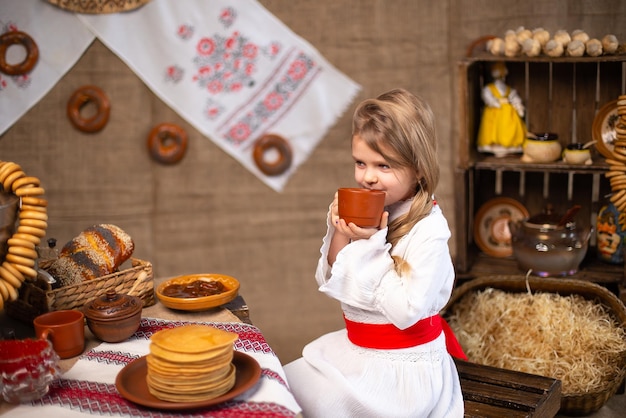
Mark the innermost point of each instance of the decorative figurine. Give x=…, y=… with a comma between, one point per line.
x=610, y=234
x=502, y=129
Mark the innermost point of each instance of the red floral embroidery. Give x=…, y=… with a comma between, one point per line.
x=205, y=46
x=281, y=91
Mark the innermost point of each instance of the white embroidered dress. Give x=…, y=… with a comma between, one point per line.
x=335, y=378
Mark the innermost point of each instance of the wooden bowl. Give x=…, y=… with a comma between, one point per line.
x=198, y=303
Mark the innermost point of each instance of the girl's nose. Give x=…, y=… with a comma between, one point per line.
x=370, y=177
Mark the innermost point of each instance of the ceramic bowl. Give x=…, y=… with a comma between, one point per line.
x=544, y=149
x=113, y=317
x=576, y=154
x=195, y=303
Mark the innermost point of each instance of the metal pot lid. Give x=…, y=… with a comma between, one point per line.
x=112, y=307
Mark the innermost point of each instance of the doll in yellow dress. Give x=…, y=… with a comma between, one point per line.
x=502, y=129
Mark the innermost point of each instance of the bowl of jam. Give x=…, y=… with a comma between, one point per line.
x=197, y=292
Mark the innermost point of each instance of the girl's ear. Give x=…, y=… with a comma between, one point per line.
x=421, y=182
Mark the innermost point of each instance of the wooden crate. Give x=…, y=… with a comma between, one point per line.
x=547, y=87
x=493, y=392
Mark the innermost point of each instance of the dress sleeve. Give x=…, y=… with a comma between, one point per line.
x=364, y=274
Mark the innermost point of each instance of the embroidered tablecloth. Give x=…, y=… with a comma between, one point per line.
x=233, y=71
x=88, y=388
x=61, y=39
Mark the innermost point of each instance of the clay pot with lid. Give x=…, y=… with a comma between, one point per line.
x=113, y=317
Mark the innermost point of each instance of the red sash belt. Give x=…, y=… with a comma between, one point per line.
x=388, y=336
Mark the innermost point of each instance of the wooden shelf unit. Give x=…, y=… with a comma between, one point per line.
x=561, y=95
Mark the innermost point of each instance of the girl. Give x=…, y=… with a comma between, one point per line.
x=391, y=281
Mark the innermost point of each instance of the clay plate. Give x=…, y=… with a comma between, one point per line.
x=201, y=303
x=491, y=225
x=131, y=384
x=603, y=128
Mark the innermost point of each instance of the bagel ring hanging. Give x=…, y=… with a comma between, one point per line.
x=281, y=146
x=80, y=98
x=167, y=143
x=19, y=262
x=32, y=52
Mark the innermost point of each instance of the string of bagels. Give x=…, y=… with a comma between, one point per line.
x=19, y=262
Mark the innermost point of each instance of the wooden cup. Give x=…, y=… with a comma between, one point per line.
x=65, y=329
x=363, y=207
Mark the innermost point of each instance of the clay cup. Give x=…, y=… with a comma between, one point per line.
x=65, y=329
x=363, y=207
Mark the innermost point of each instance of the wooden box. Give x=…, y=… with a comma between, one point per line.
x=493, y=392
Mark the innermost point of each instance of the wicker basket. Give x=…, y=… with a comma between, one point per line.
x=36, y=297
x=575, y=404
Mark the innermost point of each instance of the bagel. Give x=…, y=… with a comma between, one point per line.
x=619, y=157
x=17, y=260
x=23, y=252
x=9, y=277
x=28, y=237
x=281, y=146
x=6, y=169
x=33, y=214
x=29, y=191
x=619, y=150
x=27, y=271
x=8, y=181
x=25, y=181
x=32, y=52
x=34, y=200
x=620, y=200
x=167, y=143
x=11, y=290
x=4, y=292
x=80, y=98
x=18, y=242
x=35, y=223
x=38, y=232
x=31, y=208
x=612, y=162
x=616, y=196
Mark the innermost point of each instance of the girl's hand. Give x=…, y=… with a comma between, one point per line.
x=345, y=233
x=354, y=232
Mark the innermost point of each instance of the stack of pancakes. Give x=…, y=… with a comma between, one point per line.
x=191, y=363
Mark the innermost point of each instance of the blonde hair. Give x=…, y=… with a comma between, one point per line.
x=401, y=127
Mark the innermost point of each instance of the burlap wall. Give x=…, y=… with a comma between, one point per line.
x=208, y=213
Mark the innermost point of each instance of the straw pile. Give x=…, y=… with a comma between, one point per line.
x=564, y=337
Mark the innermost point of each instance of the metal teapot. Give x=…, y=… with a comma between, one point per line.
x=549, y=244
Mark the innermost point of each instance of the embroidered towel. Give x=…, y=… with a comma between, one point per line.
x=233, y=71
x=61, y=40
x=89, y=387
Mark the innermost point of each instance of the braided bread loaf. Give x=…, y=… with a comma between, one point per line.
x=97, y=251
